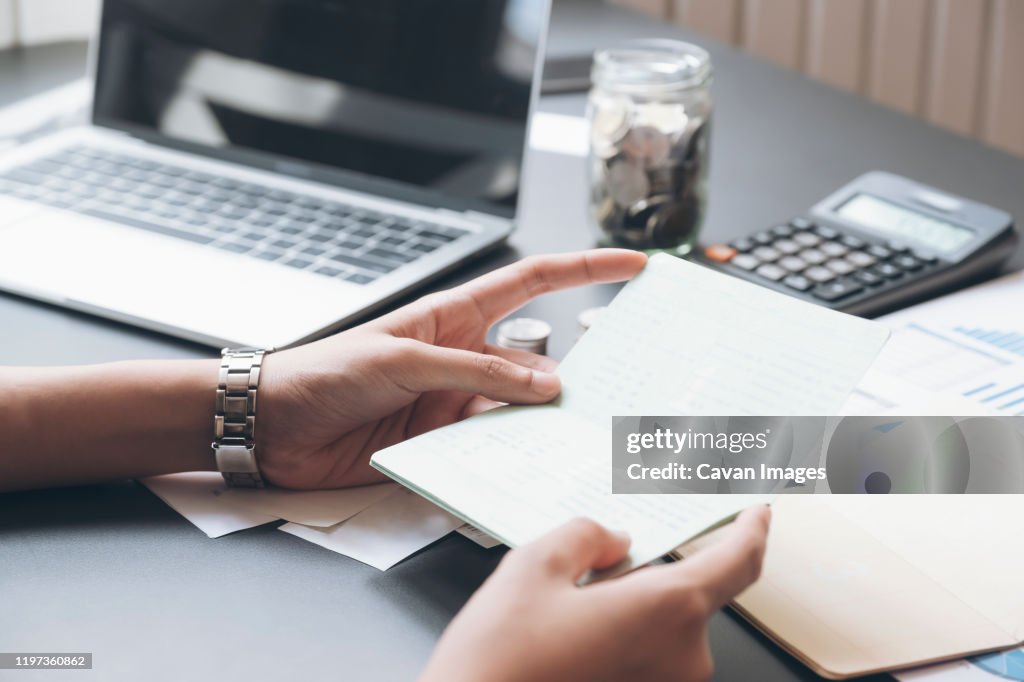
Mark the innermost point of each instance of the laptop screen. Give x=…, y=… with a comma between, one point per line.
x=423, y=100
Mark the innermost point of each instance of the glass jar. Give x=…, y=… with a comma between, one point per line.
x=649, y=112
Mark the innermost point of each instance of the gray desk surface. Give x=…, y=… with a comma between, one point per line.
x=110, y=569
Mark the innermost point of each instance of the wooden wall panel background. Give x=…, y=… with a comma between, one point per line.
x=956, y=63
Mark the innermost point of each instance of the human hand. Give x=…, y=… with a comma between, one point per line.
x=530, y=622
x=327, y=406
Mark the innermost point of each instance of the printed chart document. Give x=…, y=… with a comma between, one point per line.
x=680, y=339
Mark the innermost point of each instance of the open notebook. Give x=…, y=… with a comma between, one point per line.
x=678, y=339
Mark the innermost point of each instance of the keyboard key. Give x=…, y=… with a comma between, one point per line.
x=362, y=233
x=825, y=232
x=145, y=225
x=782, y=230
x=388, y=254
x=924, y=257
x=437, y=235
x=878, y=251
x=801, y=224
x=834, y=249
x=798, y=282
x=425, y=247
x=745, y=261
x=314, y=250
x=300, y=263
x=742, y=245
x=813, y=256
x=786, y=246
x=360, y=278
x=234, y=247
x=329, y=271
x=868, y=278
x=840, y=267
x=793, y=264
x=908, y=263
x=719, y=253
x=833, y=291
x=363, y=263
x=771, y=271
x=269, y=255
x=285, y=243
x=807, y=239
x=819, y=274
x=255, y=236
x=393, y=241
x=766, y=254
x=887, y=270
x=861, y=259
x=762, y=238
x=852, y=242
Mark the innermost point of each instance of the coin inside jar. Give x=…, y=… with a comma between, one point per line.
x=647, y=144
x=609, y=123
x=627, y=183
x=668, y=118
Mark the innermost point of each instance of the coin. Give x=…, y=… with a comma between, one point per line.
x=627, y=183
x=673, y=224
x=668, y=118
x=647, y=144
x=524, y=333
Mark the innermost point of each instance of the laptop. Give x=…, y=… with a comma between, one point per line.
x=261, y=172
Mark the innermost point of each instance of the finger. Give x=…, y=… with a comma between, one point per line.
x=572, y=549
x=524, y=358
x=722, y=571
x=498, y=293
x=436, y=368
x=478, y=404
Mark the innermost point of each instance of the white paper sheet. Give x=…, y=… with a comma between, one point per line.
x=478, y=536
x=386, y=532
x=199, y=497
x=319, y=508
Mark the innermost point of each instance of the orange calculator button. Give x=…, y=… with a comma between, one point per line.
x=720, y=253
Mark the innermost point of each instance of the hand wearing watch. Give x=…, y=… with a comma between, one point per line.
x=234, y=423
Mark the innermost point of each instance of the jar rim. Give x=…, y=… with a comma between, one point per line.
x=651, y=64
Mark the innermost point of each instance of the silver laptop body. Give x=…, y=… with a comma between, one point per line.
x=258, y=174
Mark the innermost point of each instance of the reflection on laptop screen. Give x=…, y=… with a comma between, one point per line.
x=386, y=95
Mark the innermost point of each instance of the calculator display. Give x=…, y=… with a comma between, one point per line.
x=905, y=223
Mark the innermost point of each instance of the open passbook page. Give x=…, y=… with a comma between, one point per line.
x=679, y=338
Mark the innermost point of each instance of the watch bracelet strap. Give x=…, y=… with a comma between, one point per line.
x=235, y=417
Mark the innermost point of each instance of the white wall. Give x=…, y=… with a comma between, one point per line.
x=30, y=22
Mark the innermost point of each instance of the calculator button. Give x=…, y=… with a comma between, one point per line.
x=819, y=274
x=798, y=282
x=924, y=257
x=826, y=232
x=720, y=253
x=833, y=249
x=813, y=256
x=771, y=271
x=762, y=238
x=745, y=261
x=852, y=242
x=782, y=230
x=742, y=245
x=766, y=254
x=861, y=259
x=806, y=239
x=786, y=246
x=868, y=278
x=887, y=270
x=840, y=267
x=879, y=252
x=897, y=247
x=792, y=263
x=908, y=263
x=801, y=224
x=833, y=291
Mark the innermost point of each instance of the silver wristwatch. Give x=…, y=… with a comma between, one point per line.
x=234, y=424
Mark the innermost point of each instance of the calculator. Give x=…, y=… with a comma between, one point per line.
x=879, y=243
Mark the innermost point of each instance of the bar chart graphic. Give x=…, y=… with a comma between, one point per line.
x=1009, y=341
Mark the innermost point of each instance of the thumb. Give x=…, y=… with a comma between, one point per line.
x=436, y=368
x=572, y=549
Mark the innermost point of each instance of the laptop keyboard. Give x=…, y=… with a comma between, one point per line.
x=300, y=231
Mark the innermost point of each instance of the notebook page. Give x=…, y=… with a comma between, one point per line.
x=683, y=339
x=518, y=472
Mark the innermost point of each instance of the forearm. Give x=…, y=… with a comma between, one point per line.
x=70, y=425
